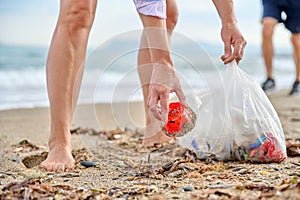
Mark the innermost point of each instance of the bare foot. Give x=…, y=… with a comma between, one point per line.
x=158, y=138
x=59, y=159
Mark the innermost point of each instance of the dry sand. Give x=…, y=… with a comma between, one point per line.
x=126, y=169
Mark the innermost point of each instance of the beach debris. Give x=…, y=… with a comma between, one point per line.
x=87, y=163
x=167, y=175
x=266, y=149
x=24, y=146
x=293, y=147
x=110, y=135
x=181, y=120
x=75, y=130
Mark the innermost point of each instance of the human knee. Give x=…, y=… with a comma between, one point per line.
x=80, y=15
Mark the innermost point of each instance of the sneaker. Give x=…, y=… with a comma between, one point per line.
x=268, y=84
x=296, y=88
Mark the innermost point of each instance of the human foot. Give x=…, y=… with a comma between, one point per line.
x=59, y=159
x=158, y=138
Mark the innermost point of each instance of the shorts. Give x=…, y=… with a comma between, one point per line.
x=274, y=9
x=156, y=8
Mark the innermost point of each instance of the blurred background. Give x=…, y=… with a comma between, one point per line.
x=27, y=27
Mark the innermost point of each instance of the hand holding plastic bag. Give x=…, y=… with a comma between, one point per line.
x=237, y=122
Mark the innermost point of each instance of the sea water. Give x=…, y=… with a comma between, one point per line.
x=109, y=77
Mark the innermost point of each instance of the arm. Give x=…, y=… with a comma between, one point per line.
x=163, y=78
x=230, y=32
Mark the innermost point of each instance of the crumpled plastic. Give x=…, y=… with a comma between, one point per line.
x=181, y=120
x=236, y=121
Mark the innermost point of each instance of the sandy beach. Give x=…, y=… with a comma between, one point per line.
x=124, y=169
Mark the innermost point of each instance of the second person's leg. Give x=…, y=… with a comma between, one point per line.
x=267, y=50
x=295, y=39
x=153, y=133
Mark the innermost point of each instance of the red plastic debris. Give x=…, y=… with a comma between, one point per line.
x=181, y=120
x=269, y=151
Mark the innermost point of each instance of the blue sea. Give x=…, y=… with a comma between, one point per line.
x=111, y=72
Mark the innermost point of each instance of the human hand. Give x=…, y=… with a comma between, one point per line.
x=163, y=82
x=232, y=37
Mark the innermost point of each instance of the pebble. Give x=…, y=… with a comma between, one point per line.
x=188, y=188
x=213, y=196
x=80, y=188
x=111, y=192
x=117, y=136
x=16, y=159
x=86, y=163
x=9, y=173
x=274, y=167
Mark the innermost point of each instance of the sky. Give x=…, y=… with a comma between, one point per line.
x=31, y=22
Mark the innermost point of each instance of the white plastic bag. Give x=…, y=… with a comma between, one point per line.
x=236, y=121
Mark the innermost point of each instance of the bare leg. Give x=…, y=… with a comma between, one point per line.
x=64, y=71
x=296, y=46
x=267, y=44
x=153, y=132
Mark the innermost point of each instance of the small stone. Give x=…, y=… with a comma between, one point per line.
x=213, y=196
x=188, y=188
x=274, y=167
x=87, y=164
x=16, y=159
x=111, y=192
x=117, y=136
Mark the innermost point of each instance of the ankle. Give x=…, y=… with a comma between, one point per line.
x=59, y=140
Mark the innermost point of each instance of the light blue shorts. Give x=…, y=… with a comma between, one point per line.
x=156, y=8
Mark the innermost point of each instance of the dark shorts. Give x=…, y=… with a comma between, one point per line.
x=274, y=9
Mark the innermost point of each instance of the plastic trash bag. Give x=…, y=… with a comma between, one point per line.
x=236, y=121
